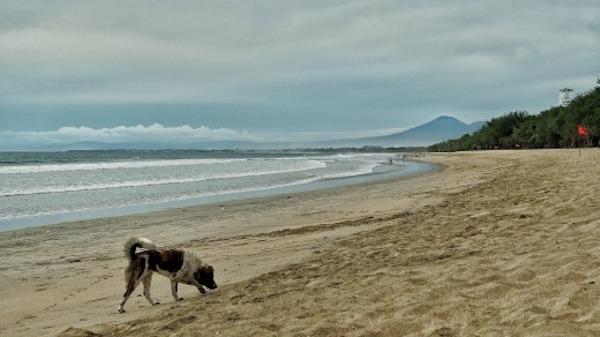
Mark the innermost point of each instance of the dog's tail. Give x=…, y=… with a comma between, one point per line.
x=133, y=243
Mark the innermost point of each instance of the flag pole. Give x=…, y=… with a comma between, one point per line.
x=579, y=139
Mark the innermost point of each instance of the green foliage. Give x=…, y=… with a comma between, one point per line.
x=552, y=128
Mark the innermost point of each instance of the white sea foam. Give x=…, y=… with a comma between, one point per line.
x=111, y=165
x=155, y=181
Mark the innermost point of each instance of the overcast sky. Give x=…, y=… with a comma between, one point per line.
x=257, y=70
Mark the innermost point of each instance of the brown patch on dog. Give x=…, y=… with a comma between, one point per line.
x=170, y=260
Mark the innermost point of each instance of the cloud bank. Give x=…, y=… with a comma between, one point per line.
x=155, y=133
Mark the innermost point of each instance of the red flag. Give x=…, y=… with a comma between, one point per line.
x=582, y=131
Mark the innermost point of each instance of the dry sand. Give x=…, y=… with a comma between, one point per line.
x=496, y=244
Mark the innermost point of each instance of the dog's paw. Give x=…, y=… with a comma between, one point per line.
x=156, y=303
x=180, y=299
x=121, y=310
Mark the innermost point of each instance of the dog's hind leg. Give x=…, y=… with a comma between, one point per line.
x=147, y=282
x=174, y=290
x=132, y=278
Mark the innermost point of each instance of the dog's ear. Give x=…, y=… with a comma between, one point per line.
x=204, y=270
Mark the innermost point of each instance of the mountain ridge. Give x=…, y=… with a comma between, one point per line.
x=437, y=130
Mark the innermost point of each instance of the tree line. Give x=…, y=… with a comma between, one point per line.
x=553, y=128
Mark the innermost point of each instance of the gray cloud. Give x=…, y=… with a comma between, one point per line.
x=298, y=66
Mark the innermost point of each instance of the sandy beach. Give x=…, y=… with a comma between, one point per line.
x=498, y=243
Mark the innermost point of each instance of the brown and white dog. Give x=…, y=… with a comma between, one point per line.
x=179, y=265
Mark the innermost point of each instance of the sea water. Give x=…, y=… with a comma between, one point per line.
x=39, y=188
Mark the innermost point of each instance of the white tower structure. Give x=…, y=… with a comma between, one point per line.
x=564, y=97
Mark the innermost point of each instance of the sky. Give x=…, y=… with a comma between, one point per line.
x=270, y=70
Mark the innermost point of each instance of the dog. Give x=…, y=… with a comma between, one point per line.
x=179, y=265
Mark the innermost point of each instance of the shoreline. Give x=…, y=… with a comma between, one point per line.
x=380, y=173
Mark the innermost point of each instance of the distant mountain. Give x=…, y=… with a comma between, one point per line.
x=438, y=130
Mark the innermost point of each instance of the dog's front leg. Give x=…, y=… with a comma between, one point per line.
x=200, y=287
x=174, y=290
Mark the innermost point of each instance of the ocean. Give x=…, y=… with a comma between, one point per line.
x=41, y=188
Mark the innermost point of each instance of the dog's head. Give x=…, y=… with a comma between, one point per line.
x=205, y=276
